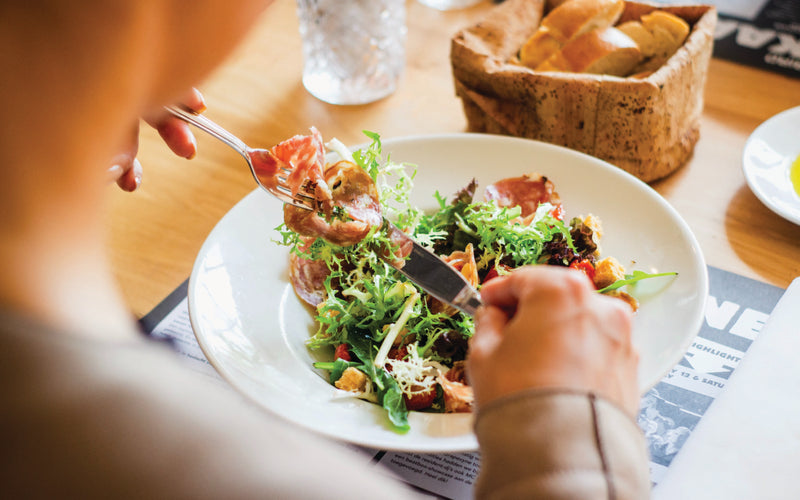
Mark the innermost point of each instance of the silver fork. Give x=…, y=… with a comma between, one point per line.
x=280, y=190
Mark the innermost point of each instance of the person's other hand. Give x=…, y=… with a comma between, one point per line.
x=546, y=327
x=125, y=168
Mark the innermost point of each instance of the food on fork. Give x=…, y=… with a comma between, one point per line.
x=352, y=211
x=390, y=342
x=345, y=194
x=303, y=156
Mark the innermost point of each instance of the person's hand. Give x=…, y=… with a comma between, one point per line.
x=125, y=168
x=546, y=327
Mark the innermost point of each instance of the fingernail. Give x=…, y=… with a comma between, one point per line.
x=193, y=152
x=201, y=99
x=137, y=172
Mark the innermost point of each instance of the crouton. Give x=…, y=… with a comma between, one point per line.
x=352, y=380
x=608, y=271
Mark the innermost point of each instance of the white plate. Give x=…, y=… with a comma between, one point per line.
x=252, y=327
x=767, y=159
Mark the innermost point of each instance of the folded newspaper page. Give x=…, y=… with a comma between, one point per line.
x=736, y=310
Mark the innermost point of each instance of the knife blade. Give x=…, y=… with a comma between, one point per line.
x=431, y=273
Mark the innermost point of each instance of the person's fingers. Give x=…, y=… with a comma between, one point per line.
x=616, y=321
x=194, y=100
x=486, y=380
x=619, y=317
x=175, y=132
x=498, y=293
x=132, y=178
x=125, y=168
x=489, y=324
x=177, y=135
x=535, y=288
x=114, y=172
x=126, y=171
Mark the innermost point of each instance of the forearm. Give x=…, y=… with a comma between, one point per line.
x=560, y=444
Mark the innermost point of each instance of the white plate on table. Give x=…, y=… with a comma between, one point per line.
x=253, y=328
x=767, y=160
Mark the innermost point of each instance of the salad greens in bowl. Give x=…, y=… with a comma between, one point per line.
x=287, y=355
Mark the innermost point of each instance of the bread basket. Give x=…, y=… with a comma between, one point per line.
x=647, y=126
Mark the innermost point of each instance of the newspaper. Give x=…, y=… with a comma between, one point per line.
x=736, y=310
x=760, y=33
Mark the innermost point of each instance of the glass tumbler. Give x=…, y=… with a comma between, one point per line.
x=353, y=50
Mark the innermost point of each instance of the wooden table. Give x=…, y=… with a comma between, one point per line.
x=156, y=232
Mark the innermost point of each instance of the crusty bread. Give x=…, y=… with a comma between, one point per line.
x=566, y=22
x=647, y=126
x=539, y=48
x=605, y=51
x=643, y=37
x=576, y=17
x=677, y=28
x=659, y=35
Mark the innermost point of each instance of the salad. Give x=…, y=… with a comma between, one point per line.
x=390, y=343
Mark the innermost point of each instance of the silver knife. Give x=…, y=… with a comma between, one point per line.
x=431, y=273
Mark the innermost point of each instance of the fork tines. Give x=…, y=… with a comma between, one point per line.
x=303, y=199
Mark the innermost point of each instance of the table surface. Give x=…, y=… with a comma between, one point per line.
x=154, y=234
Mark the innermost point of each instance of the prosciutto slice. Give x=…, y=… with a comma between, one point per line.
x=308, y=279
x=302, y=156
x=526, y=191
x=354, y=209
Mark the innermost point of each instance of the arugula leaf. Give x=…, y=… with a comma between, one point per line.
x=391, y=399
x=635, y=277
x=336, y=368
x=388, y=391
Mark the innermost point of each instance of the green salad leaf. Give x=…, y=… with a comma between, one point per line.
x=632, y=278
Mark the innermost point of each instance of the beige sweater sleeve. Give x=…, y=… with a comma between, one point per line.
x=556, y=444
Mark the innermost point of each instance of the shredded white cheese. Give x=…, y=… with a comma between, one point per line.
x=414, y=374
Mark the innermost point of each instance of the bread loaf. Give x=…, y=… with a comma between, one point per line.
x=566, y=22
x=606, y=51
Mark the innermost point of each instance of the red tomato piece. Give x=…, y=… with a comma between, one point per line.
x=584, y=266
x=421, y=400
x=493, y=273
x=342, y=352
x=557, y=212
